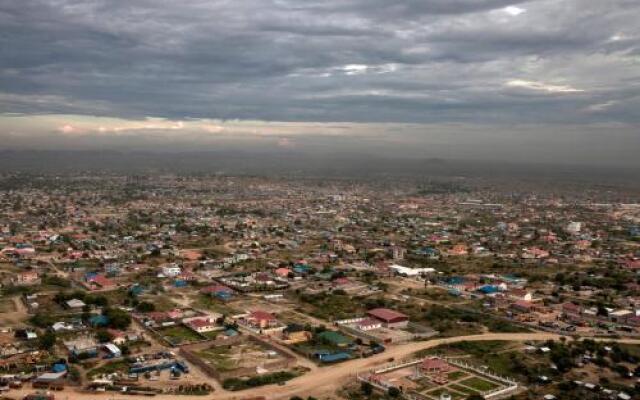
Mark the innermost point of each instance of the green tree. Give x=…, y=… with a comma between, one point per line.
x=104, y=336
x=145, y=307
x=47, y=341
x=118, y=318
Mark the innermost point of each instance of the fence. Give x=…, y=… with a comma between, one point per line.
x=508, y=385
x=190, y=353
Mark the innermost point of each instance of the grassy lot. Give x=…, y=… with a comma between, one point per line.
x=331, y=307
x=479, y=384
x=215, y=305
x=109, y=368
x=180, y=334
x=211, y=335
x=161, y=302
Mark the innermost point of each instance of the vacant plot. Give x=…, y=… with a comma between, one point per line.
x=247, y=354
x=111, y=367
x=207, y=302
x=179, y=334
x=330, y=308
x=219, y=357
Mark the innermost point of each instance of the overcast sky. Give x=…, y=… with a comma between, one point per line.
x=542, y=80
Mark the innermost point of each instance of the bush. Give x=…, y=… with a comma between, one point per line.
x=47, y=341
x=145, y=307
x=118, y=319
x=240, y=384
x=43, y=320
x=393, y=392
x=53, y=280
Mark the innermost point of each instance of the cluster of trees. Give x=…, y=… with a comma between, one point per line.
x=54, y=280
x=259, y=380
x=118, y=319
x=88, y=299
x=614, y=279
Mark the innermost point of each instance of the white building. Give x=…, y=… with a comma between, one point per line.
x=574, y=227
x=171, y=270
x=400, y=270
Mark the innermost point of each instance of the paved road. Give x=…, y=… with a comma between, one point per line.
x=326, y=380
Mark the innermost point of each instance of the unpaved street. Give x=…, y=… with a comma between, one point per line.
x=325, y=380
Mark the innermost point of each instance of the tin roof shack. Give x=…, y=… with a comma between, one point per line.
x=50, y=380
x=112, y=350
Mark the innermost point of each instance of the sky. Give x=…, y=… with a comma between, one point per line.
x=543, y=81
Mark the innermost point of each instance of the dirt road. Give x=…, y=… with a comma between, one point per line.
x=326, y=380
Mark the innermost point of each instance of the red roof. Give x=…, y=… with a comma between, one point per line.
x=435, y=364
x=157, y=316
x=368, y=322
x=341, y=281
x=571, y=307
x=261, y=316
x=631, y=264
x=387, y=315
x=523, y=304
x=199, y=323
x=102, y=280
x=282, y=271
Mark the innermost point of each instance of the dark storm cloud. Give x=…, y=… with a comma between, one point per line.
x=494, y=62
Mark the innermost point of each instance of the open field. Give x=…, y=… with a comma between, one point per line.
x=247, y=354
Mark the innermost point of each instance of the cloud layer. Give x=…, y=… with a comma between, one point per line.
x=493, y=63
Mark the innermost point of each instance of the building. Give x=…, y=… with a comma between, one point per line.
x=82, y=346
x=410, y=272
x=574, y=227
x=171, y=270
x=220, y=291
x=389, y=318
x=112, y=350
x=261, y=319
x=75, y=304
x=26, y=278
x=99, y=282
x=368, y=324
x=202, y=324
x=435, y=365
